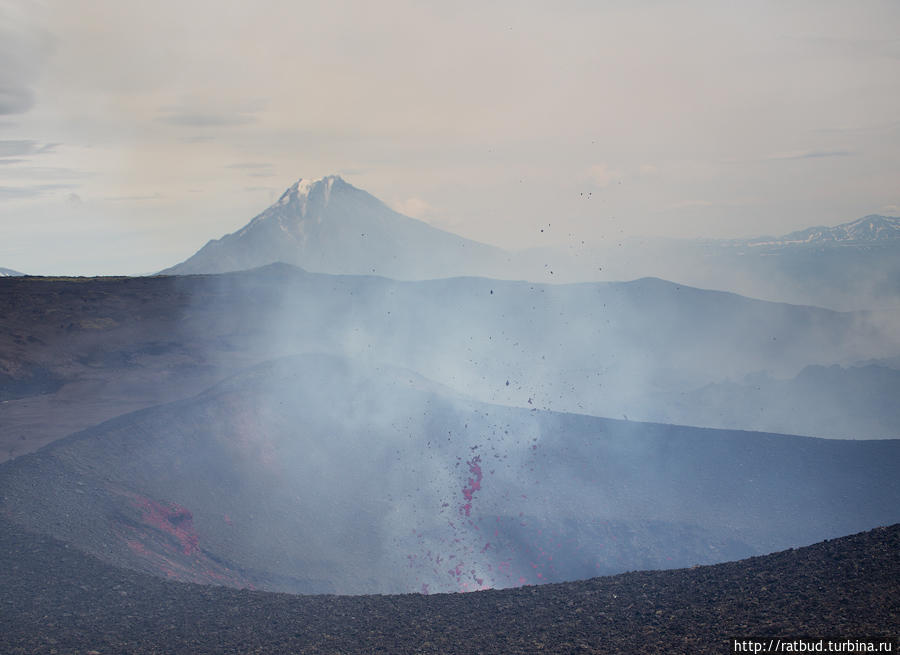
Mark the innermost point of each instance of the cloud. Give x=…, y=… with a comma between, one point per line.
x=23, y=50
x=194, y=114
x=891, y=126
x=24, y=148
x=10, y=192
x=415, y=207
x=250, y=165
x=810, y=154
x=686, y=204
x=865, y=48
x=33, y=191
x=15, y=98
x=44, y=173
x=201, y=119
x=254, y=169
x=602, y=175
x=197, y=138
x=154, y=196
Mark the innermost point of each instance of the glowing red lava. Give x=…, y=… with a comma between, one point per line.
x=473, y=485
x=171, y=519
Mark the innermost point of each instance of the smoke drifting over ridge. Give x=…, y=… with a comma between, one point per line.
x=601, y=349
x=509, y=497
x=317, y=474
x=328, y=225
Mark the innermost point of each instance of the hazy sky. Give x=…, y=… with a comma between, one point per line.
x=132, y=132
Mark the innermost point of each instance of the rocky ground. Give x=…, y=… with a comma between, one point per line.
x=77, y=351
x=54, y=599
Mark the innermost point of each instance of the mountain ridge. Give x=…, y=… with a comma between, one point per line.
x=867, y=230
x=329, y=226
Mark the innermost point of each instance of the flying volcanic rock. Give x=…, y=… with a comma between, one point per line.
x=330, y=226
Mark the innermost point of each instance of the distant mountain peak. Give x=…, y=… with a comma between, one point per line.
x=870, y=229
x=327, y=225
x=305, y=200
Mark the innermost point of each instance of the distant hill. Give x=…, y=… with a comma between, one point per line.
x=855, y=265
x=330, y=226
x=8, y=272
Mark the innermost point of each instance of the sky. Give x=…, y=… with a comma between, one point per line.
x=133, y=132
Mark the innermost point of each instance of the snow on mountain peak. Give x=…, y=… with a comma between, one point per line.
x=873, y=227
x=304, y=186
x=866, y=230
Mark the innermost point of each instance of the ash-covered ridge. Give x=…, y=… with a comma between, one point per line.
x=320, y=474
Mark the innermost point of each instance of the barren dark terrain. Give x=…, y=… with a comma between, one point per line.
x=77, y=351
x=54, y=599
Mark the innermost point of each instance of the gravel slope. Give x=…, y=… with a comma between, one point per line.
x=56, y=600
